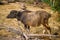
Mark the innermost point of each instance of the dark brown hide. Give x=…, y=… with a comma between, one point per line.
x=32, y=18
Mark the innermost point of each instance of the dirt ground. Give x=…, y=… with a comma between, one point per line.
x=4, y=11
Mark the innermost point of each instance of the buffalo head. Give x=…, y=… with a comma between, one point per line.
x=12, y=14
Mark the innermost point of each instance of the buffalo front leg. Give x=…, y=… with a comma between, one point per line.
x=27, y=28
x=23, y=35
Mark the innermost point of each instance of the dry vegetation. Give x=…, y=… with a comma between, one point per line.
x=5, y=9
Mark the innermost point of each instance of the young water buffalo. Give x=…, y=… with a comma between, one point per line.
x=31, y=18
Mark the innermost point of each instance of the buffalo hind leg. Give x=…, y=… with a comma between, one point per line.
x=47, y=28
x=45, y=24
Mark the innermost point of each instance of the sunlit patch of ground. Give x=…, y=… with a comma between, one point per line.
x=5, y=10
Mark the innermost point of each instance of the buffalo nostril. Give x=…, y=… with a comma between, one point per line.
x=7, y=17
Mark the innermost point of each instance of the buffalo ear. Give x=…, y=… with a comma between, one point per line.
x=15, y=12
x=19, y=13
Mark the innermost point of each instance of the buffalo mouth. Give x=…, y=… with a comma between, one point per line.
x=10, y=16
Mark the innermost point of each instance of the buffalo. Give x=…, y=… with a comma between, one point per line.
x=31, y=18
